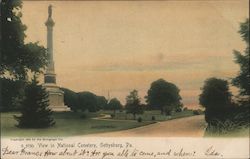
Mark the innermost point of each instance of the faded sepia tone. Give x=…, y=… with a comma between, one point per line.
x=125, y=79
x=117, y=46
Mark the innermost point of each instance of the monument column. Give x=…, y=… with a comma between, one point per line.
x=56, y=95
x=50, y=76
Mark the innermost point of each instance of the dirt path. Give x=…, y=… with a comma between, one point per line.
x=183, y=127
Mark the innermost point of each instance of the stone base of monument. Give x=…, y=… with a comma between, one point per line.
x=56, y=98
x=60, y=108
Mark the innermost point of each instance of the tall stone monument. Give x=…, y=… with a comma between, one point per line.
x=56, y=95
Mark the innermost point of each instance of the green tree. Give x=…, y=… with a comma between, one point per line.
x=215, y=93
x=34, y=109
x=114, y=104
x=11, y=93
x=163, y=95
x=102, y=102
x=242, y=81
x=87, y=101
x=133, y=104
x=70, y=99
x=17, y=57
x=216, y=98
x=84, y=100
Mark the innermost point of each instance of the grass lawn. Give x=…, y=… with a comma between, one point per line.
x=147, y=115
x=67, y=124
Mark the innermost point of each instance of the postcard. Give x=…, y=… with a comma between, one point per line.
x=84, y=79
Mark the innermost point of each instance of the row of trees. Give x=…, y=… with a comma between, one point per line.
x=217, y=98
x=89, y=101
x=162, y=95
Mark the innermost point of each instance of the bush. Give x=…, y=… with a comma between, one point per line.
x=153, y=118
x=185, y=109
x=139, y=119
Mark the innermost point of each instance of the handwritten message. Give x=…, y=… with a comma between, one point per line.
x=106, y=148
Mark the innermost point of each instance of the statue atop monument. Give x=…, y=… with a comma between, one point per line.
x=50, y=22
x=50, y=11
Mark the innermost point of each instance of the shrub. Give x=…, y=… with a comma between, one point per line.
x=153, y=118
x=139, y=119
x=185, y=109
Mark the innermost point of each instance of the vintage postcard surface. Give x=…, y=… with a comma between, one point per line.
x=124, y=79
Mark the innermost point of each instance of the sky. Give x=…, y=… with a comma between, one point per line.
x=118, y=46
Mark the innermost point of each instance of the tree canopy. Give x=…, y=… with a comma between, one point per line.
x=11, y=93
x=163, y=95
x=17, y=57
x=114, y=104
x=87, y=100
x=84, y=100
x=102, y=102
x=70, y=99
x=242, y=81
x=216, y=98
x=215, y=93
x=133, y=103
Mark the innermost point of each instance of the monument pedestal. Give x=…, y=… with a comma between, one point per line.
x=56, y=98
